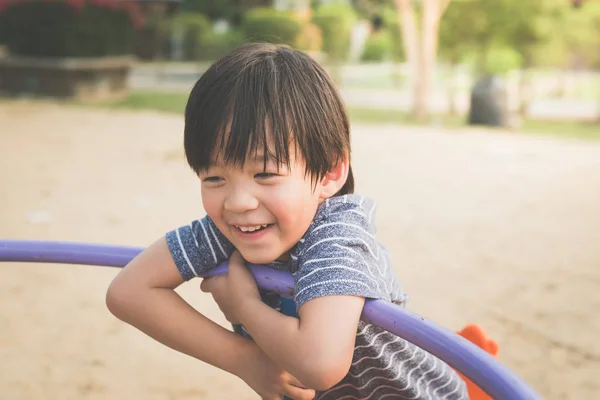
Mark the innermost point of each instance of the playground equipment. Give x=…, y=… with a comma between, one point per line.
x=470, y=351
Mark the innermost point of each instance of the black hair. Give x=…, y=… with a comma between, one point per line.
x=260, y=93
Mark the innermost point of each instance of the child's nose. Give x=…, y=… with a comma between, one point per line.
x=239, y=201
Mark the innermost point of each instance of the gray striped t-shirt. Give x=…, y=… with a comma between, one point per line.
x=339, y=255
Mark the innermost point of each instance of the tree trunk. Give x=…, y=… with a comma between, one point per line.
x=452, y=106
x=420, y=46
x=524, y=92
x=410, y=35
x=427, y=56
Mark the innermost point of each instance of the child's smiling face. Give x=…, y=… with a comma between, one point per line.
x=263, y=212
x=263, y=99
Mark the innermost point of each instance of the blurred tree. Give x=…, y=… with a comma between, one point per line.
x=420, y=46
x=229, y=10
x=383, y=16
x=502, y=35
x=528, y=24
x=456, y=39
x=378, y=47
x=271, y=25
x=581, y=36
x=589, y=15
x=196, y=30
x=214, y=10
x=335, y=20
x=152, y=39
x=391, y=23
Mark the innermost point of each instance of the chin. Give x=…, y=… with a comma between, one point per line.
x=259, y=258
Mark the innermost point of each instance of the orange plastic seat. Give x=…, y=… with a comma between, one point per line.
x=476, y=334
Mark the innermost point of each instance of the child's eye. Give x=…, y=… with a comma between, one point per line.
x=213, y=179
x=265, y=175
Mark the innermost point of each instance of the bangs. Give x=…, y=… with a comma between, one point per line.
x=253, y=121
x=262, y=100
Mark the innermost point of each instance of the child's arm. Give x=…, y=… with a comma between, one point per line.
x=143, y=295
x=339, y=266
x=317, y=348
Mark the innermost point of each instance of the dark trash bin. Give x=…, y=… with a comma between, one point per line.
x=488, y=102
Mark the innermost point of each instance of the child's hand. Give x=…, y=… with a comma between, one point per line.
x=233, y=288
x=271, y=382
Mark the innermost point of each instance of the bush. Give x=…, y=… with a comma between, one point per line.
x=336, y=22
x=152, y=39
x=390, y=22
x=501, y=60
x=218, y=44
x=75, y=28
x=213, y=9
x=310, y=39
x=196, y=29
x=378, y=47
x=272, y=26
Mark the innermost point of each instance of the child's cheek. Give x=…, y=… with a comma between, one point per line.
x=212, y=206
x=299, y=211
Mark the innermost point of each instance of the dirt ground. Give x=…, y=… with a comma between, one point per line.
x=484, y=227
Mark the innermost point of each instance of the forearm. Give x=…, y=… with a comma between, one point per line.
x=163, y=315
x=286, y=343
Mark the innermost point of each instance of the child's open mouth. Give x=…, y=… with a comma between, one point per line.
x=252, y=229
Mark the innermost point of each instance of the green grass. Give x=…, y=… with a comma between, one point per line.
x=175, y=103
x=571, y=129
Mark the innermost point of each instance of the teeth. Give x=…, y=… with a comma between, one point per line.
x=251, y=228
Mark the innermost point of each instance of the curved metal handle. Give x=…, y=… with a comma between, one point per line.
x=474, y=363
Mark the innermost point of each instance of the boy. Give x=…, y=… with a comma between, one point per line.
x=267, y=134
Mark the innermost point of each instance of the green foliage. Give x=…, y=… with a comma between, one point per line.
x=390, y=21
x=61, y=29
x=530, y=23
x=214, y=10
x=576, y=41
x=217, y=44
x=270, y=25
x=502, y=59
x=229, y=10
x=456, y=34
x=491, y=28
x=196, y=29
x=335, y=22
x=152, y=39
x=378, y=47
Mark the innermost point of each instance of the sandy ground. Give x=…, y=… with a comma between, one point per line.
x=483, y=227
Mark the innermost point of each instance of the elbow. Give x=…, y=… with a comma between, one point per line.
x=326, y=373
x=116, y=299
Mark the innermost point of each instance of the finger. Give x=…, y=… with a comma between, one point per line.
x=236, y=258
x=295, y=382
x=206, y=284
x=296, y=393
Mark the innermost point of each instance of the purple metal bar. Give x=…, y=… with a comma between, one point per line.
x=477, y=365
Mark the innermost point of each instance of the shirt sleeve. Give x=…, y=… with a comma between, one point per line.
x=198, y=247
x=341, y=257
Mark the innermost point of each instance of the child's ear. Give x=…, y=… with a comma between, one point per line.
x=335, y=178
